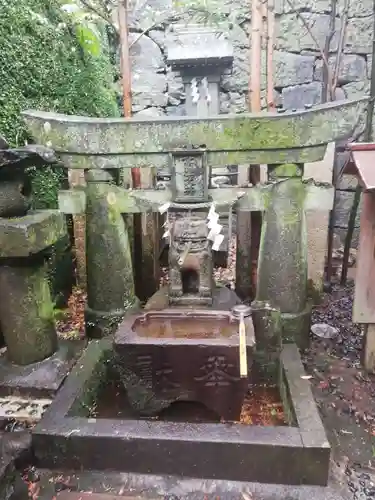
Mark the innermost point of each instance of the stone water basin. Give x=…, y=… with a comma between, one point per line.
x=182, y=355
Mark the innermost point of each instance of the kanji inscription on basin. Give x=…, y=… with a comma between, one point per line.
x=164, y=379
x=215, y=372
x=144, y=367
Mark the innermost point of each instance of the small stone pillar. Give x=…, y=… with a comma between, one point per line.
x=268, y=340
x=26, y=309
x=282, y=267
x=110, y=281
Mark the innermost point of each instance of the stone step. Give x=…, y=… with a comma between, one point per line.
x=68, y=495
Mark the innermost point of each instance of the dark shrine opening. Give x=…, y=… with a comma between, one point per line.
x=188, y=411
x=189, y=280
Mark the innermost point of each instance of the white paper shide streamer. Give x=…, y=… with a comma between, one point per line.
x=215, y=228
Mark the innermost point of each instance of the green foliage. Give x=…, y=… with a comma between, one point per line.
x=51, y=61
x=44, y=66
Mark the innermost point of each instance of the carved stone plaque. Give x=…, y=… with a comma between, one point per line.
x=189, y=176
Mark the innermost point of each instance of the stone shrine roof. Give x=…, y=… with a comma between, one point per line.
x=193, y=45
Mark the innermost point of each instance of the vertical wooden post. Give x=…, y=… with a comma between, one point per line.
x=364, y=294
x=369, y=348
x=145, y=241
x=248, y=244
x=125, y=58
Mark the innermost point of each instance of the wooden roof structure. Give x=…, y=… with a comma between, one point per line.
x=362, y=165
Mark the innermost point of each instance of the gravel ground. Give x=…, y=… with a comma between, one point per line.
x=344, y=393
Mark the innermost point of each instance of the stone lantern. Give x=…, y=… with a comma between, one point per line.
x=26, y=308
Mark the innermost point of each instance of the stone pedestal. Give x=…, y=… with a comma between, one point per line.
x=26, y=312
x=35, y=363
x=26, y=309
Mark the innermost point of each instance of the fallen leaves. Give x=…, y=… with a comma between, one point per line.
x=262, y=406
x=70, y=323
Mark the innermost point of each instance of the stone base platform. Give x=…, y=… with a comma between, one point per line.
x=42, y=379
x=68, y=438
x=223, y=300
x=150, y=487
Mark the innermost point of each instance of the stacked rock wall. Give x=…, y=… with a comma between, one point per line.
x=158, y=91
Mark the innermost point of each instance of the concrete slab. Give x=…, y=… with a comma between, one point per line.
x=113, y=486
x=67, y=438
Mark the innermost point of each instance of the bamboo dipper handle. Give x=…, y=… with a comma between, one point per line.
x=243, y=346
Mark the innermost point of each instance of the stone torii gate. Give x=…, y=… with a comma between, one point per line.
x=102, y=146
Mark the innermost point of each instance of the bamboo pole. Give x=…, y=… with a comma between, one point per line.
x=255, y=56
x=243, y=348
x=145, y=234
x=125, y=57
x=249, y=224
x=270, y=40
x=255, y=106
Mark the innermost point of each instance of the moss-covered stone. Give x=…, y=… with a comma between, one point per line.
x=110, y=281
x=26, y=313
x=31, y=234
x=296, y=327
x=268, y=131
x=97, y=357
x=282, y=268
x=285, y=170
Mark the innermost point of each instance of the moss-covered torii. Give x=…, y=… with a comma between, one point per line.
x=283, y=141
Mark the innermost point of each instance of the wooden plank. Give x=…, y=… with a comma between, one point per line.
x=146, y=232
x=253, y=199
x=244, y=283
x=364, y=294
x=369, y=349
x=365, y=166
x=72, y=201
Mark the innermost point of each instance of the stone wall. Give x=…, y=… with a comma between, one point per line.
x=158, y=91
x=297, y=58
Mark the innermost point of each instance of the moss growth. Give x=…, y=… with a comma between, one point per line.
x=286, y=170
x=93, y=367
x=315, y=291
x=44, y=66
x=28, y=315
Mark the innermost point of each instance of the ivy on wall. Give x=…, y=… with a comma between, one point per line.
x=43, y=65
x=46, y=64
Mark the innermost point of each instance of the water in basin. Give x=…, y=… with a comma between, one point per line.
x=182, y=326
